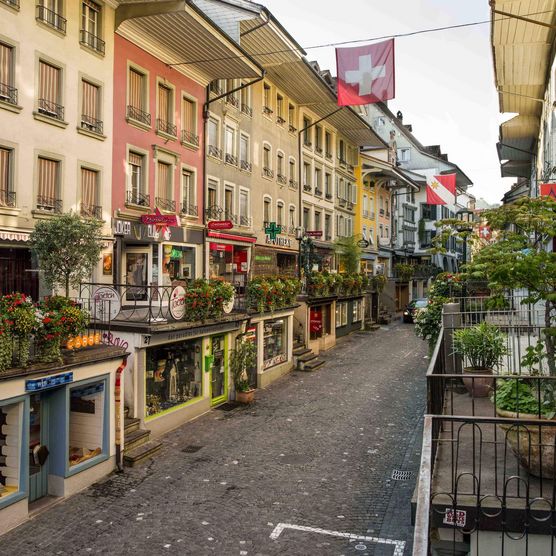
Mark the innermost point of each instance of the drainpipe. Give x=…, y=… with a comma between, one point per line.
x=118, y=405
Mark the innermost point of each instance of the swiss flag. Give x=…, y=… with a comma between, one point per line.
x=485, y=233
x=365, y=73
x=548, y=190
x=441, y=190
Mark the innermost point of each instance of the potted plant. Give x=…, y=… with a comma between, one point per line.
x=242, y=358
x=19, y=313
x=481, y=346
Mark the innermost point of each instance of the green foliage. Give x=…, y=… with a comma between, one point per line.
x=428, y=321
x=517, y=394
x=378, y=282
x=204, y=299
x=242, y=359
x=68, y=248
x=533, y=358
x=349, y=254
x=481, y=346
x=404, y=271
x=268, y=293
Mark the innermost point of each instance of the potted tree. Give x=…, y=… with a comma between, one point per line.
x=242, y=358
x=481, y=347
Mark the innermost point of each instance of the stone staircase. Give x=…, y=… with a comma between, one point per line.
x=138, y=445
x=304, y=358
x=384, y=315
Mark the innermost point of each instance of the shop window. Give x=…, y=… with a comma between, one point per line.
x=229, y=262
x=319, y=325
x=10, y=449
x=137, y=265
x=173, y=376
x=86, y=422
x=178, y=262
x=274, y=343
x=357, y=311
x=341, y=314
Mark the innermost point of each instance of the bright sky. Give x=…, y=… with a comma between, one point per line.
x=444, y=80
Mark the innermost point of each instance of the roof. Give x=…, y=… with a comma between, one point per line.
x=385, y=168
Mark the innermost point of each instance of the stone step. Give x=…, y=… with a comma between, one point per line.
x=141, y=453
x=306, y=358
x=131, y=424
x=135, y=439
x=298, y=352
x=297, y=345
x=313, y=365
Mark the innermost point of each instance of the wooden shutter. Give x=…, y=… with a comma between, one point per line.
x=90, y=100
x=49, y=82
x=5, y=64
x=135, y=89
x=188, y=115
x=4, y=175
x=163, y=103
x=163, y=180
x=88, y=187
x=48, y=179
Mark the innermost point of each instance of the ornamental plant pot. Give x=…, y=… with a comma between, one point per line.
x=246, y=397
x=532, y=445
x=478, y=387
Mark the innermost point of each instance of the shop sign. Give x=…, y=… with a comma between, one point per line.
x=220, y=225
x=228, y=306
x=314, y=233
x=135, y=230
x=280, y=241
x=36, y=385
x=272, y=230
x=281, y=358
x=363, y=243
x=107, y=303
x=457, y=518
x=315, y=324
x=195, y=332
x=159, y=219
x=177, y=302
x=263, y=258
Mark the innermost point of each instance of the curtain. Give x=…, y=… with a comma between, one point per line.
x=90, y=100
x=5, y=64
x=163, y=180
x=88, y=187
x=48, y=178
x=135, y=89
x=4, y=175
x=188, y=115
x=163, y=103
x=49, y=83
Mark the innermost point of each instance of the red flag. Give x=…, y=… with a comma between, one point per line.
x=441, y=190
x=365, y=73
x=485, y=233
x=548, y=190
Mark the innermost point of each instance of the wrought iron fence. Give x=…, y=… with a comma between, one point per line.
x=51, y=109
x=8, y=93
x=92, y=41
x=135, y=113
x=51, y=18
x=189, y=137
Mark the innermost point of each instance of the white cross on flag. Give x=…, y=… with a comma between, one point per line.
x=365, y=73
x=441, y=190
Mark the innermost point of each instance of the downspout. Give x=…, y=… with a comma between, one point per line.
x=118, y=413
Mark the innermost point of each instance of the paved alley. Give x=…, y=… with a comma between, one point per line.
x=311, y=460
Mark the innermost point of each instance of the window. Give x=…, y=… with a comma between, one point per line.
x=165, y=199
x=189, y=122
x=318, y=139
x=306, y=176
x=409, y=215
x=246, y=100
x=229, y=203
x=267, y=109
x=212, y=198
x=280, y=109
x=90, y=34
x=7, y=195
x=137, y=108
x=48, y=190
x=213, y=138
x=381, y=230
x=89, y=194
x=244, y=207
x=328, y=185
x=244, y=154
x=341, y=314
x=291, y=118
x=307, y=131
x=188, y=188
x=230, y=86
x=267, y=212
x=428, y=211
x=380, y=121
x=280, y=167
x=293, y=220
x=318, y=183
x=11, y=433
x=274, y=342
x=280, y=213
x=404, y=154
x=386, y=232
x=8, y=93
x=50, y=91
x=357, y=311
x=365, y=206
x=328, y=144
x=318, y=223
x=230, y=145
x=364, y=232
x=50, y=12
x=137, y=180
x=327, y=227
x=306, y=218
x=292, y=171
x=267, y=161
x=165, y=108
x=341, y=151
x=91, y=119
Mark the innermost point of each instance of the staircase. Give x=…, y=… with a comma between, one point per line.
x=304, y=358
x=384, y=316
x=138, y=445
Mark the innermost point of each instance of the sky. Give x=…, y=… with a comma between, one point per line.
x=444, y=80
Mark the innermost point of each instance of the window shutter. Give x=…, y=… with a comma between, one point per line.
x=6, y=64
x=354, y=193
x=135, y=89
x=49, y=82
x=90, y=100
x=88, y=187
x=4, y=175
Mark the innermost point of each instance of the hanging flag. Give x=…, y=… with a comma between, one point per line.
x=485, y=233
x=441, y=190
x=365, y=73
x=548, y=190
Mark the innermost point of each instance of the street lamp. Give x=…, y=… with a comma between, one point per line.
x=465, y=219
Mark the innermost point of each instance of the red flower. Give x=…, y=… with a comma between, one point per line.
x=46, y=320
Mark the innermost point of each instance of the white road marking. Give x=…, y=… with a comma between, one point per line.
x=399, y=546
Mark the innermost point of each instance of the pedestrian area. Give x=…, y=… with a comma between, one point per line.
x=323, y=463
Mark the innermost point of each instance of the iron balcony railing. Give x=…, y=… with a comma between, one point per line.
x=267, y=110
x=215, y=88
x=167, y=127
x=229, y=215
x=291, y=128
x=246, y=109
x=267, y=172
x=7, y=199
x=91, y=211
x=138, y=199
x=245, y=221
x=231, y=159
x=293, y=184
x=381, y=212
x=138, y=115
x=168, y=205
x=51, y=18
x=318, y=149
x=91, y=124
x=280, y=120
x=49, y=204
x=214, y=151
x=280, y=178
x=189, y=137
x=307, y=188
x=234, y=101
x=328, y=155
x=318, y=191
x=12, y=3
x=8, y=93
x=245, y=165
x=189, y=209
x=214, y=212
x=51, y=109
x=328, y=195
x=92, y=41
x=307, y=143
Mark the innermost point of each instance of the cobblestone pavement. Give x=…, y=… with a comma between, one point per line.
x=315, y=452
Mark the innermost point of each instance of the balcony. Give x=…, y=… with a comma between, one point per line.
x=169, y=205
x=233, y=100
x=244, y=165
x=328, y=195
x=7, y=199
x=138, y=199
x=214, y=151
x=291, y=128
x=246, y=109
x=229, y=215
x=12, y=3
x=91, y=211
x=280, y=120
x=487, y=475
x=318, y=191
x=293, y=184
x=8, y=94
x=318, y=149
x=267, y=111
x=328, y=155
x=91, y=124
x=189, y=138
x=230, y=159
x=164, y=126
x=188, y=209
x=138, y=115
x=92, y=41
x=51, y=18
x=214, y=212
x=245, y=221
x=281, y=179
x=268, y=173
x=384, y=242
x=49, y=204
x=307, y=188
x=51, y=109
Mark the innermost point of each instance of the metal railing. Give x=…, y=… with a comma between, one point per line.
x=138, y=199
x=91, y=124
x=229, y=215
x=233, y=100
x=268, y=173
x=214, y=212
x=91, y=211
x=214, y=151
x=50, y=109
x=7, y=199
x=189, y=209
x=167, y=127
x=12, y=3
x=307, y=188
x=92, y=41
x=138, y=115
x=168, y=205
x=246, y=109
x=51, y=18
x=8, y=93
x=267, y=110
x=291, y=128
x=328, y=195
x=280, y=120
x=281, y=178
x=230, y=159
x=245, y=165
x=49, y=204
x=293, y=184
x=189, y=137
x=245, y=221
x=318, y=191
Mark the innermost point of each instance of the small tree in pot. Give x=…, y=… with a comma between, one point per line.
x=482, y=347
x=242, y=358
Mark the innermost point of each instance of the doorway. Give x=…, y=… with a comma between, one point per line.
x=218, y=370
x=38, y=453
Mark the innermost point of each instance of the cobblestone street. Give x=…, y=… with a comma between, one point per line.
x=313, y=457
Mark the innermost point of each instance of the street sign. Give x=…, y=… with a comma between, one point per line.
x=220, y=225
x=363, y=243
x=314, y=233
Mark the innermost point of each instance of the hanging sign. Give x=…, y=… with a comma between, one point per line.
x=177, y=303
x=160, y=219
x=107, y=303
x=314, y=233
x=220, y=225
x=228, y=306
x=36, y=385
x=363, y=243
x=457, y=518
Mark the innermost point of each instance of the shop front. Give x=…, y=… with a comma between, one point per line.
x=321, y=329
x=18, y=267
x=275, y=261
x=57, y=433
x=350, y=314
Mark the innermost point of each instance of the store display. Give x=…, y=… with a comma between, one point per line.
x=274, y=343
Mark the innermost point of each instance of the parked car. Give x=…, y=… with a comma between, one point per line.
x=412, y=306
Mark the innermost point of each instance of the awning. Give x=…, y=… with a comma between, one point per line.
x=231, y=237
x=380, y=168
x=368, y=256
x=14, y=236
